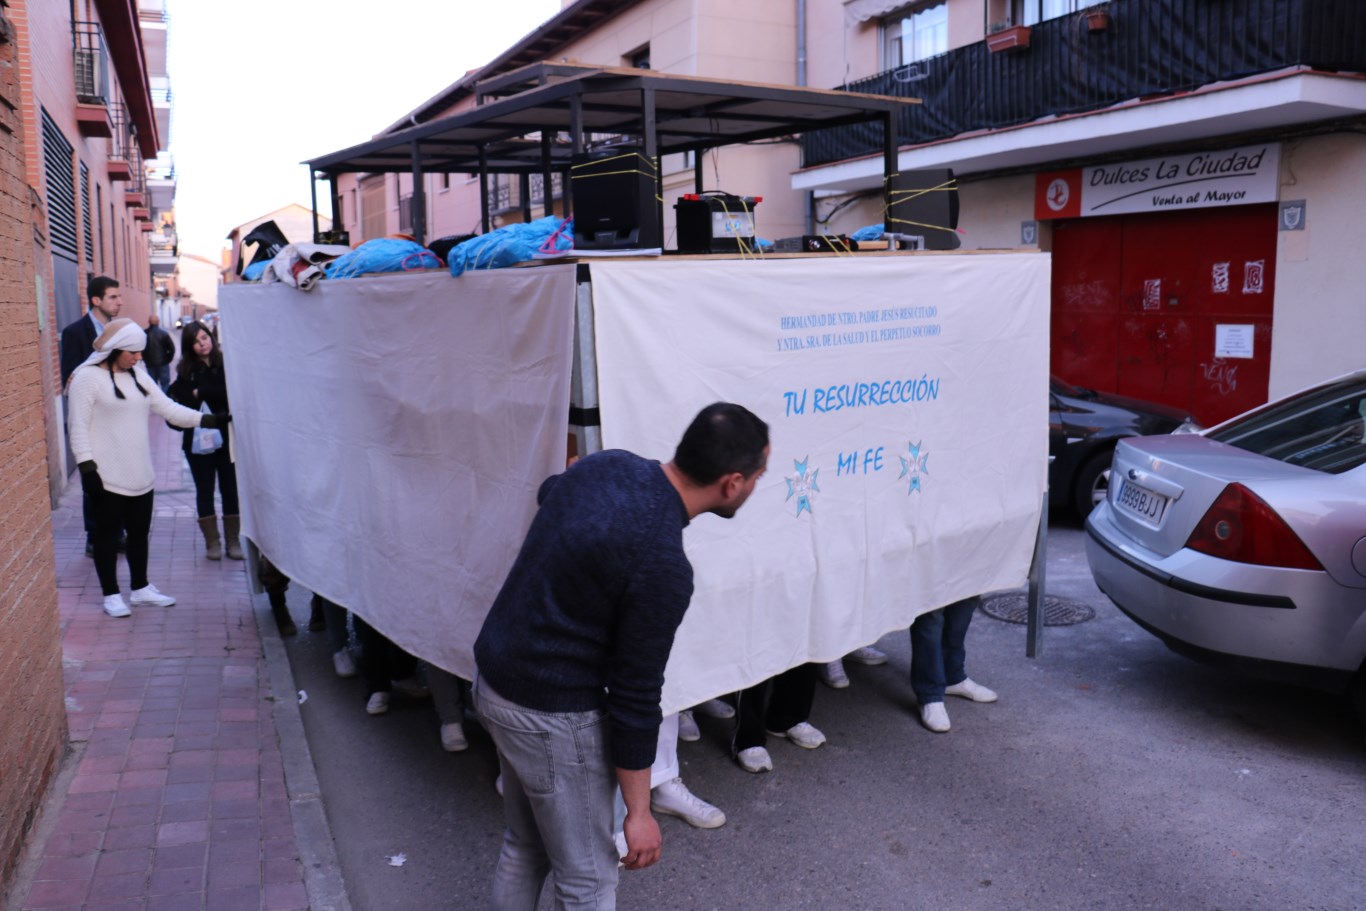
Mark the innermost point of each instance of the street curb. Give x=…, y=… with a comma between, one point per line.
x=317, y=850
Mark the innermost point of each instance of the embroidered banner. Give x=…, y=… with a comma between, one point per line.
x=907, y=398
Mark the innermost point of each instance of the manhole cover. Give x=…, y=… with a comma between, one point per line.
x=1013, y=607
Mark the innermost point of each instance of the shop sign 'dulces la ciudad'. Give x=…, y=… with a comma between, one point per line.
x=1228, y=177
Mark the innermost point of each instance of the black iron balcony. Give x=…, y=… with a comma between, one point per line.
x=1150, y=47
x=91, y=62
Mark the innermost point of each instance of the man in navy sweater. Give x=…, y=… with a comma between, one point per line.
x=571, y=657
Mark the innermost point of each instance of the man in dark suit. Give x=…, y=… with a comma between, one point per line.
x=105, y=300
x=159, y=353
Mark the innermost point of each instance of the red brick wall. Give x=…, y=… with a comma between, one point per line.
x=32, y=714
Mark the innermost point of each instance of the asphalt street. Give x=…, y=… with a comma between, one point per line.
x=1112, y=774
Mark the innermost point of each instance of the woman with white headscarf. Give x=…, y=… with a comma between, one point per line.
x=111, y=397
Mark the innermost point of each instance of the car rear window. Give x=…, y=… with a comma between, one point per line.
x=1323, y=428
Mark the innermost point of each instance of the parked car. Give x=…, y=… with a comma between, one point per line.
x=1247, y=543
x=1083, y=427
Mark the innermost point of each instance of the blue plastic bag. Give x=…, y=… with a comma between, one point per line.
x=512, y=244
x=870, y=232
x=383, y=254
x=252, y=273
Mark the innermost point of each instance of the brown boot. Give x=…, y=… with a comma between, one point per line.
x=212, y=545
x=280, y=611
x=232, y=525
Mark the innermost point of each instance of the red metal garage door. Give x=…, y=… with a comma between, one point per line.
x=1138, y=302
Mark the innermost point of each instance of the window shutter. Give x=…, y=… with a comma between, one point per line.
x=86, y=230
x=60, y=189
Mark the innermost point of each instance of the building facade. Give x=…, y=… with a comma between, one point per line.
x=1223, y=276
x=748, y=42
x=32, y=714
x=78, y=124
x=1193, y=169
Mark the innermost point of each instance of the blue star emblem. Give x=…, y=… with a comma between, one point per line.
x=913, y=466
x=802, y=484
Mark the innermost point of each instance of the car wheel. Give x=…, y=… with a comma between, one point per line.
x=1092, y=484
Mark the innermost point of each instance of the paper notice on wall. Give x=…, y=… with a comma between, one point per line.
x=1233, y=340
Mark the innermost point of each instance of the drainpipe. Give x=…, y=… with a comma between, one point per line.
x=810, y=200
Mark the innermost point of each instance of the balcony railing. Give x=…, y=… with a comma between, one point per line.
x=122, y=144
x=161, y=90
x=91, y=62
x=1151, y=47
x=505, y=191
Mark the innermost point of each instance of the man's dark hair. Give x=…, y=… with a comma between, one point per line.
x=722, y=439
x=97, y=286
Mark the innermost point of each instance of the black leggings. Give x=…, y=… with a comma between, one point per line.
x=203, y=468
x=381, y=660
x=134, y=514
x=777, y=704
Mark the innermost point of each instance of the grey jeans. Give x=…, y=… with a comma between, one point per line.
x=558, y=793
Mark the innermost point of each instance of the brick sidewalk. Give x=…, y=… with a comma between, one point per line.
x=177, y=799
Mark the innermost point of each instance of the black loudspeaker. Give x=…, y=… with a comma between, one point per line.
x=616, y=206
x=925, y=204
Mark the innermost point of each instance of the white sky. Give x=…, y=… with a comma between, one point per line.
x=261, y=85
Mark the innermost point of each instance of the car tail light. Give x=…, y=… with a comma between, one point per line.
x=1240, y=526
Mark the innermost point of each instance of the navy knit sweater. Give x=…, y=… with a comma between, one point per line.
x=587, y=615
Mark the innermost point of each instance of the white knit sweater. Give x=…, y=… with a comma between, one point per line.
x=113, y=431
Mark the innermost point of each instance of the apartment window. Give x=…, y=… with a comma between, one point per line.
x=373, y=199
x=445, y=181
x=1029, y=12
x=639, y=59
x=915, y=32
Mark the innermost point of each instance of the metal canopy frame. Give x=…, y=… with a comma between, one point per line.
x=535, y=119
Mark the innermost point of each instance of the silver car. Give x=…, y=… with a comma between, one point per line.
x=1247, y=542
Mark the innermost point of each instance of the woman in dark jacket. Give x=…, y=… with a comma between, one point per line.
x=200, y=381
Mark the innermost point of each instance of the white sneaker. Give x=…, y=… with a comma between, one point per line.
x=410, y=687
x=935, y=717
x=968, y=689
x=115, y=607
x=868, y=655
x=715, y=708
x=378, y=704
x=803, y=735
x=343, y=663
x=151, y=596
x=833, y=675
x=453, y=738
x=755, y=759
x=673, y=798
x=687, y=728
